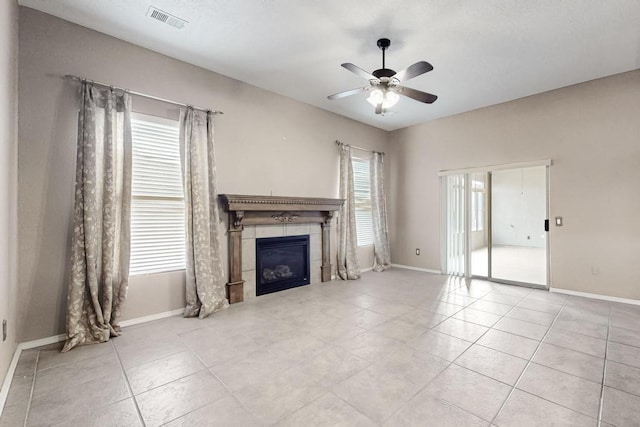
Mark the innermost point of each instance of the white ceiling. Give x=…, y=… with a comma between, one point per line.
x=483, y=52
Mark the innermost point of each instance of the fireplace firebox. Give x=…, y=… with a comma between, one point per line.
x=282, y=263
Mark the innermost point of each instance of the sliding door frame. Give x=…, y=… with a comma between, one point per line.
x=466, y=172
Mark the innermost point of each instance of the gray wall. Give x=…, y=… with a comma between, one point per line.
x=590, y=131
x=8, y=175
x=258, y=135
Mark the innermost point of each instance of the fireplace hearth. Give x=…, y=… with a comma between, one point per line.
x=282, y=263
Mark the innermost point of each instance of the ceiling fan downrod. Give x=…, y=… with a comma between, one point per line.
x=384, y=44
x=384, y=73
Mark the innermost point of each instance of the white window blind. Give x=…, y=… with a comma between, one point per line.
x=362, y=190
x=157, y=205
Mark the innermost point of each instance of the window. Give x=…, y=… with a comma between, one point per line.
x=477, y=205
x=362, y=190
x=157, y=205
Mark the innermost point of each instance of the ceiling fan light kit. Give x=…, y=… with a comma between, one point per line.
x=385, y=83
x=388, y=99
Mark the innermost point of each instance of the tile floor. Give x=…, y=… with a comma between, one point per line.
x=395, y=348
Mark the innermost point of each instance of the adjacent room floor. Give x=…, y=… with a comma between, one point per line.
x=513, y=263
x=395, y=348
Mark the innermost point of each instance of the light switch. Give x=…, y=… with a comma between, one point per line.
x=558, y=221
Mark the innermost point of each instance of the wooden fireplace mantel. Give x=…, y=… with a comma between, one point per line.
x=272, y=210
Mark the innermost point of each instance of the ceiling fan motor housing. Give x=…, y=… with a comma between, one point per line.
x=384, y=72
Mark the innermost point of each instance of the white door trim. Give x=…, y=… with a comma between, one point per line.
x=520, y=165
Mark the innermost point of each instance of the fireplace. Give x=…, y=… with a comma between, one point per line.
x=282, y=263
x=245, y=210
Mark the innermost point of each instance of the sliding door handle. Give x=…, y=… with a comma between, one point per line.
x=546, y=225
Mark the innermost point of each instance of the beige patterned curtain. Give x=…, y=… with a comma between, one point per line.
x=348, y=268
x=381, y=251
x=101, y=238
x=205, y=274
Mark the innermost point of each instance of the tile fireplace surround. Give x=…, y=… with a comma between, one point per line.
x=286, y=212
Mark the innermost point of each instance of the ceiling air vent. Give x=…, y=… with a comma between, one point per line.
x=165, y=17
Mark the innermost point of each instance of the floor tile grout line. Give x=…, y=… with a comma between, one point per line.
x=350, y=405
x=453, y=362
x=172, y=353
x=126, y=379
x=574, y=350
x=527, y=360
x=503, y=316
x=513, y=388
x=224, y=384
x=33, y=386
x=231, y=392
x=207, y=404
x=604, y=372
x=557, y=404
x=307, y=404
x=402, y=342
x=318, y=398
x=624, y=364
x=437, y=398
x=235, y=396
x=628, y=345
x=626, y=329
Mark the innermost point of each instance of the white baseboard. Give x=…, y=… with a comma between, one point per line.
x=408, y=267
x=595, y=296
x=43, y=341
x=152, y=317
x=58, y=338
x=6, y=384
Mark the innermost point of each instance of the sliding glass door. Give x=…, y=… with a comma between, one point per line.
x=518, y=215
x=495, y=224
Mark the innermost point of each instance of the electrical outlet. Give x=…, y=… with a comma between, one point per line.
x=417, y=251
x=595, y=270
x=4, y=330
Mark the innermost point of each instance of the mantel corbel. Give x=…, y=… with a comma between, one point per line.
x=237, y=217
x=328, y=216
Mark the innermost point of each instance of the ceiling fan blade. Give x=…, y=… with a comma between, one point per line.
x=347, y=93
x=413, y=71
x=379, y=108
x=359, y=71
x=418, y=95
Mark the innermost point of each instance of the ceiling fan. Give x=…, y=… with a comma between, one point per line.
x=384, y=83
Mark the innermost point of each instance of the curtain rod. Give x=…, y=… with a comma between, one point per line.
x=359, y=148
x=144, y=95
